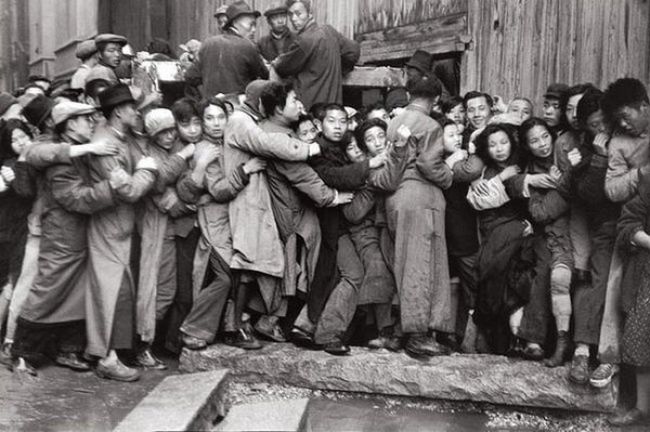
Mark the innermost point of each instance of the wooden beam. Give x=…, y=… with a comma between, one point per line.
x=364, y=76
x=439, y=35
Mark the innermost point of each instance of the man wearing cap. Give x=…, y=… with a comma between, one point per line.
x=554, y=106
x=258, y=257
x=55, y=303
x=109, y=54
x=221, y=16
x=229, y=61
x=40, y=81
x=110, y=297
x=86, y=52
x=279, y=38
x=318, y=58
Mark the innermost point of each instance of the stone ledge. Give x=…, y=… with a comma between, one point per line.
x=181, y=403
x=289, y=416
x=479, y=378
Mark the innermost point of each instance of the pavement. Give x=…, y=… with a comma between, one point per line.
x=60, y=399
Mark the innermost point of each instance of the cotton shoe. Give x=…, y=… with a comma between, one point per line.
x=561, y=353
x=243, y=339
x=147, y=360
x=193, y=343
x=337, y=348
x=534, y=353
x=116, y=371
x=449, y=340
x=421, y=345
x=20, y=365
x=270, y=329
x=629, y=418
x=72, y=361
x=603, y=375
x=5, y=354
x=579, y=373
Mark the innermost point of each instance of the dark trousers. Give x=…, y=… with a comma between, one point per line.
x=33, y=340
x=589, y=298
x=537, y=313
x=180, y=308
x=464, y=267
x=205, y=316
x=326, y=272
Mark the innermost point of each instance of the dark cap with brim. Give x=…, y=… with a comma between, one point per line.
x=115, y=95
x=238, y=9
x=280, y=10
x=556, y=91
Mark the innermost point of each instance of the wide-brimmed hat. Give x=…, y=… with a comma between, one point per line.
x=421, y=60
x=280, y=10
x=238, y=9
x=65, y=110
x=115, y=95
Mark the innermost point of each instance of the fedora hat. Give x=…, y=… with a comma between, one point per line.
x=238, y=9
x=115, y=95
x=421, y=61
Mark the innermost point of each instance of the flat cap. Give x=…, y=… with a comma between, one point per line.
x=65, y=110
x=109, y=37
x=85, y=49
x=280, y=10
x=556, y=91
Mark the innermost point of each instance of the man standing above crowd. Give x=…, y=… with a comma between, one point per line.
x=229, y=61
x=109, y=52
x=279, y=38
x=318, y=58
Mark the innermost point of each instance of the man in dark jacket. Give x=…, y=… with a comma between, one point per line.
x=279, y=38
x=318, y=58
x=229, y=61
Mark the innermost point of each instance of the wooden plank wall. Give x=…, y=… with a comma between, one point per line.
x=521, y=46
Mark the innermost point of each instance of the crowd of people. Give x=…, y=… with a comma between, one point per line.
x=257, y=208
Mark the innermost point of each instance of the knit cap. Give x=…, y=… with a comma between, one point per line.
x=158, y=120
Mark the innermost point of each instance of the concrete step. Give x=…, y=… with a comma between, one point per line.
x=184, y=402
x=481, y=378
x=286, y=415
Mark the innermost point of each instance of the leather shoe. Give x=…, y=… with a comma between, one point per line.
x=116, y=371
x=336, y=348
x=579, y=373
x=421, y=345
x=5, y=355
x=301, y=338
x=628, y=418
x=147, y=360
x=449, y=340
x=72, y=361
x=193, y=343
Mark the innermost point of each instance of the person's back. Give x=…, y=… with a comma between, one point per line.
x=227, y=63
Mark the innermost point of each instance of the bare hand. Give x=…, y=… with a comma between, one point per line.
x=342, y=198
x=207, y=155
x=254, y=165
x=7, y=174
x=509, y=172
x=471, y=148
x=147, y=163
x=574, y=157
x=542, y=181
x=455, y=157
x=528, y=229
x=403, y=135
x=378, y=160
x=119, y=178
x=555, y=173
x=187, y=151
x=600, y=143
x=103, y=148
x=481, y=187
x=3, y=185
